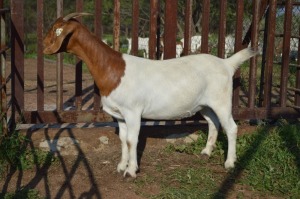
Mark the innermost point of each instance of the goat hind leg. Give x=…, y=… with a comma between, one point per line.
x=213, y=128
x=230, y=127
x=231, y=131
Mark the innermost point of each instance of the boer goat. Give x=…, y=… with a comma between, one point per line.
x=133, y=88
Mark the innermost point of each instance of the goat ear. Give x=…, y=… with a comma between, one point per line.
x=55, y=37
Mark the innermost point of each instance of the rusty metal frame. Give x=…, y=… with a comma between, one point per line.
x=253, y=110
x=4, y=127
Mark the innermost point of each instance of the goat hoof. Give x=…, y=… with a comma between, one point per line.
x=129, y=174
x=205, y=152
x=229, y=164
x=121, y=167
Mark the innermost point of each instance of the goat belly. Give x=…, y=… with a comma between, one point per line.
x=170, y=113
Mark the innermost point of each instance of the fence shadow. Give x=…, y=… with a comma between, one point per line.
x=42, y=172
x=243, y=161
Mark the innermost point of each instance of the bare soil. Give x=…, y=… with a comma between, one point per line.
x=91, y=173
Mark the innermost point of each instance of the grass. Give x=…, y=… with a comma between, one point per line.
x=275, y=165
x=268, y=166
x=14, y=153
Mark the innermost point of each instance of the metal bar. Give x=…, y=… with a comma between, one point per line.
x=293, y=89
x=253, y=61
x=297, y=95
x=4, y=10
x=263, y=7
x=135, y=27
x=263, y=61
x=286, y=52
x=188, y=27
x=269, y=54
x=59, y=65
x=78, y=67
x=237, y=47
x=170, y=32
x=205, y=26
x=154, y=17
x=293, y=106
x=265, y=113
x=40, y=56
x=31, y=117
x=295, y=65
x=98, y=33
x=17, y=57
x=72, y=116
x=3, y=102
x=116, y=32
x=292, y=36
x=282, y=3
x=222, y=29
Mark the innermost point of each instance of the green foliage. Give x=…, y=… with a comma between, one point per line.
x=22, y=194
x=14, y=153
x=12, y=149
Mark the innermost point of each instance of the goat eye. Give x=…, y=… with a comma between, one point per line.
x=58, y=31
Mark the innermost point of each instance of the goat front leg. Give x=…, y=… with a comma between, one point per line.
x=133, y=122
x=125, y=154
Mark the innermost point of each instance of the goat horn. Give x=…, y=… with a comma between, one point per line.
x=74, y=15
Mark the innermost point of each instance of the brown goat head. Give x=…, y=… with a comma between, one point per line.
x=60, y=29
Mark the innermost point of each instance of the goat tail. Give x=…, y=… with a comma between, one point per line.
x=238, y=58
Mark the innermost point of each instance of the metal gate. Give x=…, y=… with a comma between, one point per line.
x=262, y=89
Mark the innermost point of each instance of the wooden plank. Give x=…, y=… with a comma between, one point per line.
x=59, y=66
x=98, y=33
x=17, y=57
x=297, y=95
x=78, y=67
x=187, y=27
x=238, y=47
x=286, y=52
x=205, y=26
x=222, y=29
x=253, y=61
x=3, y=100
x=40, y=56
x=34, y=117
x=116, y=32
x=154, y=18
x=135, y=27
x=170, y=32
x=268, y=73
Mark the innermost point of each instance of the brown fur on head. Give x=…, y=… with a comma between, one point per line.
x=62, y=27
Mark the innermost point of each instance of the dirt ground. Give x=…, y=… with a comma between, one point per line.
x=91, y=171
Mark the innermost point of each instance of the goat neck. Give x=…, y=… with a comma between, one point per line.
x=106, y=65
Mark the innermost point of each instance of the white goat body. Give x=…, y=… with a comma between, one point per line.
x=172, y=89
x=133, y=88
